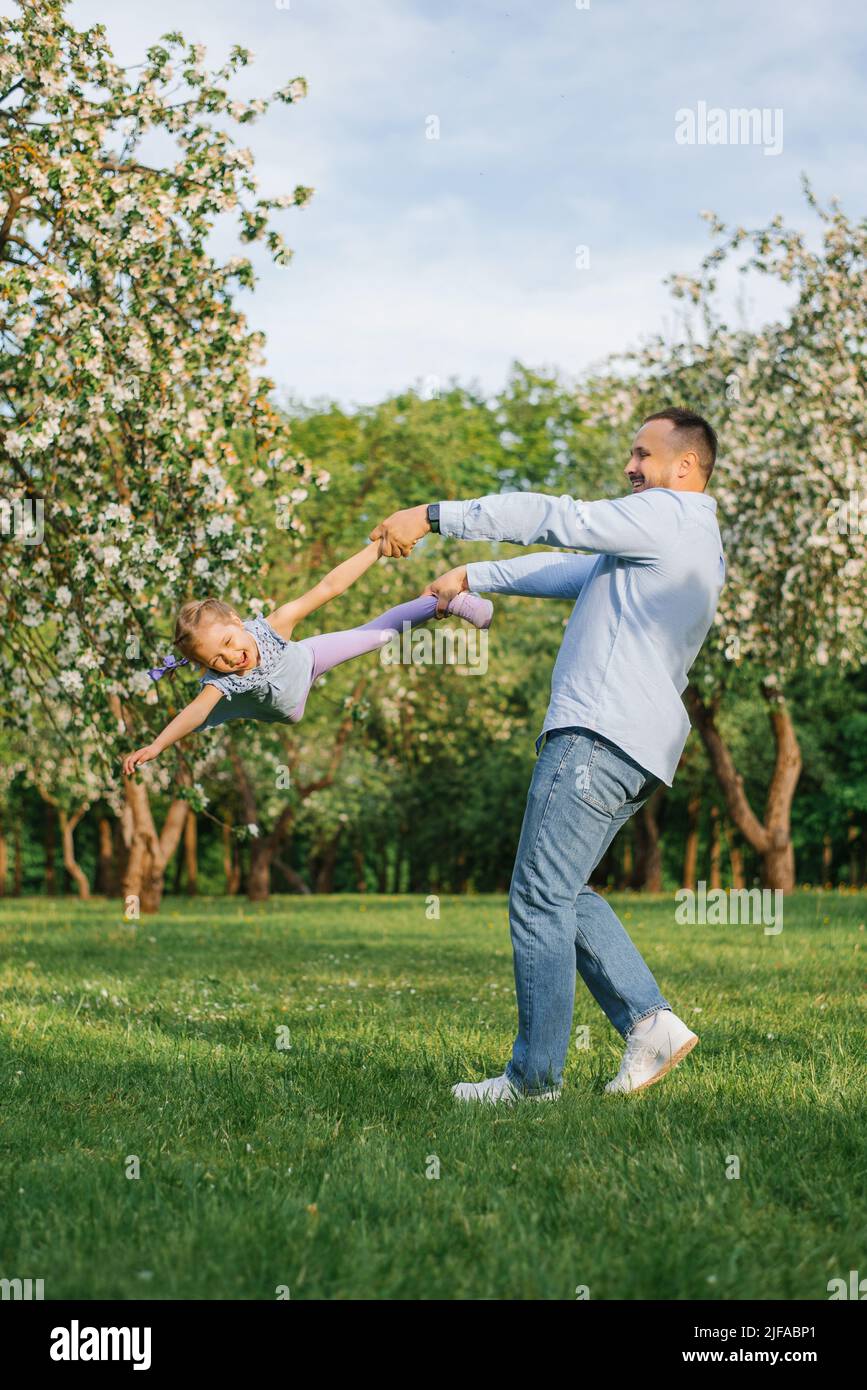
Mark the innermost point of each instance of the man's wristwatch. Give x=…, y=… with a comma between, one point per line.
x=433, y=516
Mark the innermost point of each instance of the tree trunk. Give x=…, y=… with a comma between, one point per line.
x=360, y=877
x=771, y=838
x=690, y=852
x=231, y=862
x=49, y=844
x=639, y=860
x=106, y=877
x=651, y=846
x=779, y=861
x=382, y=875
x=259, y=879
x=827, y=859
x=736, y=858
x=460, y=871
x=715, y=876
x=149, y=853
x=626, y=870
x=852, y=835
x=68, y=822
x=324, y=881
x=778, y=866
x=122, y=835
x=382, y=867
x=191, y=858
x=17, y=860
x=262, y=847
x=179, y=872
x=399, y=859
x=73, y=868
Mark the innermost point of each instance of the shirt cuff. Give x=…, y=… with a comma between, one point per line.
x=452, y=519
x=479, y=577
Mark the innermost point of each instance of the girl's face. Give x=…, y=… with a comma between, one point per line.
x=227, y=647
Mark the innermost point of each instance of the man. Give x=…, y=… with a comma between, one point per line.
x=646, y=596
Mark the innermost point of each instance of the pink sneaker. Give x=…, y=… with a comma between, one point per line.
x=472, y=608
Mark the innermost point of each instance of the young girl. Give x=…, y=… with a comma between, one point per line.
x=255, y=670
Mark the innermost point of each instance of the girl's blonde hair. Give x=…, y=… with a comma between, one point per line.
x=190, y=619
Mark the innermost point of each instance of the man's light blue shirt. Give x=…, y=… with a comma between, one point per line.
x=645, y=601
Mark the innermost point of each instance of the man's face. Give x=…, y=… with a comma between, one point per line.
x=227, y=647
x=654, y=459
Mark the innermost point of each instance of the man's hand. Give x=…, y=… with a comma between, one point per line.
x=445, y=588
x=400, y=531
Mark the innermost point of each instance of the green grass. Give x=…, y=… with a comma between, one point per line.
x=307, y=1167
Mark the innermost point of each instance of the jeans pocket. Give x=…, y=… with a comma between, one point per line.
x=608, y=781
x=652, y=784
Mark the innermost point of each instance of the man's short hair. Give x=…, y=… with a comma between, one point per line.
x=695, y=431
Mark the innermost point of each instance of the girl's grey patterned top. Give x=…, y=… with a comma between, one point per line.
x=269, y=692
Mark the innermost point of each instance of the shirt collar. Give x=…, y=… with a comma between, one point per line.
x=703, y=497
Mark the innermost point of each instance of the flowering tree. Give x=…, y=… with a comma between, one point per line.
x=791, y=484
x=128, y=379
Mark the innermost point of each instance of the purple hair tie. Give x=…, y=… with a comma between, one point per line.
x=169, y=663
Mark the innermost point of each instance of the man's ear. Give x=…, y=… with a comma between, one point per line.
x=688, y=462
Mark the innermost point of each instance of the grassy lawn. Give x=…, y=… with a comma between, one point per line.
x=307, y=1167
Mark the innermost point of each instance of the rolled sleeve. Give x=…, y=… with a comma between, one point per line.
x=544, y=575
x=638, y=527
x=452, y=519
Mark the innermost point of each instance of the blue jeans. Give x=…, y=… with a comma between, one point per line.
x=583, y=790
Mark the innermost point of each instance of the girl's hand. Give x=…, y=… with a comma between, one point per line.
x=142, y=755
x=400, y=531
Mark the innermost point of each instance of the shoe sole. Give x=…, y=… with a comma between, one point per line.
x=672, y=1062
x=507, y=1100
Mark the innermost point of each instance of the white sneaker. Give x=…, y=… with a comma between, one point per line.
x=650, y=1055
x=497, y=1090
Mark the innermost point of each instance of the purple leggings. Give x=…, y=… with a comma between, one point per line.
x=332, y=648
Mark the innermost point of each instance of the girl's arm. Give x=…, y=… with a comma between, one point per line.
x=284, y=619
x=189, y=718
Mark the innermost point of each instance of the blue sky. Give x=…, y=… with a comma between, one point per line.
x=423, y=258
